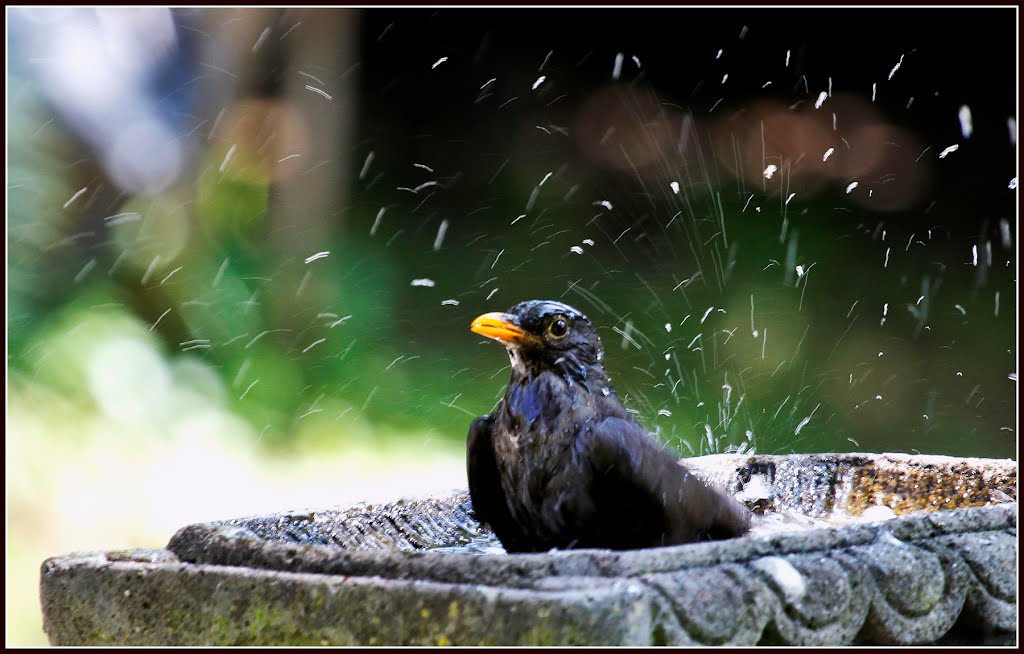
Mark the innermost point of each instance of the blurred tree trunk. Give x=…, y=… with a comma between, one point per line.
x=306, y=210
x=298, y=65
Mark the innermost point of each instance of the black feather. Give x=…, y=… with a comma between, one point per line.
x=562, y=464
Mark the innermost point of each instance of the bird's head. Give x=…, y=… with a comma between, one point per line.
x=542, y=335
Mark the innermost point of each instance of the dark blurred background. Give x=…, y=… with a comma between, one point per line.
x=245, y=245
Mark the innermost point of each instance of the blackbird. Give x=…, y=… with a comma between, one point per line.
x=561, y=464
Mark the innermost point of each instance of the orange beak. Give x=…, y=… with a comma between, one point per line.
x=500, y=327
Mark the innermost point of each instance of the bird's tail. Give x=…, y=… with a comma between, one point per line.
x=713, y=514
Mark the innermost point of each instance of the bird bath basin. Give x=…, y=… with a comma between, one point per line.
x=852, y=548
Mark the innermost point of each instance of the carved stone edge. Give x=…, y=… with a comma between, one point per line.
x=904, y=581
x=889, y=590
x=89, y=599
x=914, y=579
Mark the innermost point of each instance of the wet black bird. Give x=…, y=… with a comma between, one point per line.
x=561, y=464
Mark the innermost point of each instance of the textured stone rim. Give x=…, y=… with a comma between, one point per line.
x=945, y=576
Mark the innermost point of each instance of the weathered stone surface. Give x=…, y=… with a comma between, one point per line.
x=89, y=599
x=362, y=575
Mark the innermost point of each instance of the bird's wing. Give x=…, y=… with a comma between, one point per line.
x=485, y=489
x=630, y=464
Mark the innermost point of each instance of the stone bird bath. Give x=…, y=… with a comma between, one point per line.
x=922, y=550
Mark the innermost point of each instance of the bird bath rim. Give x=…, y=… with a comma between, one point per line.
x=917, y=578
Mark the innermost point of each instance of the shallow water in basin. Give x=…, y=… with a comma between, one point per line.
x=764, y=526
x=485, y=543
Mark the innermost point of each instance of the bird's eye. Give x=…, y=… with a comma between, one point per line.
x=558, y=328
